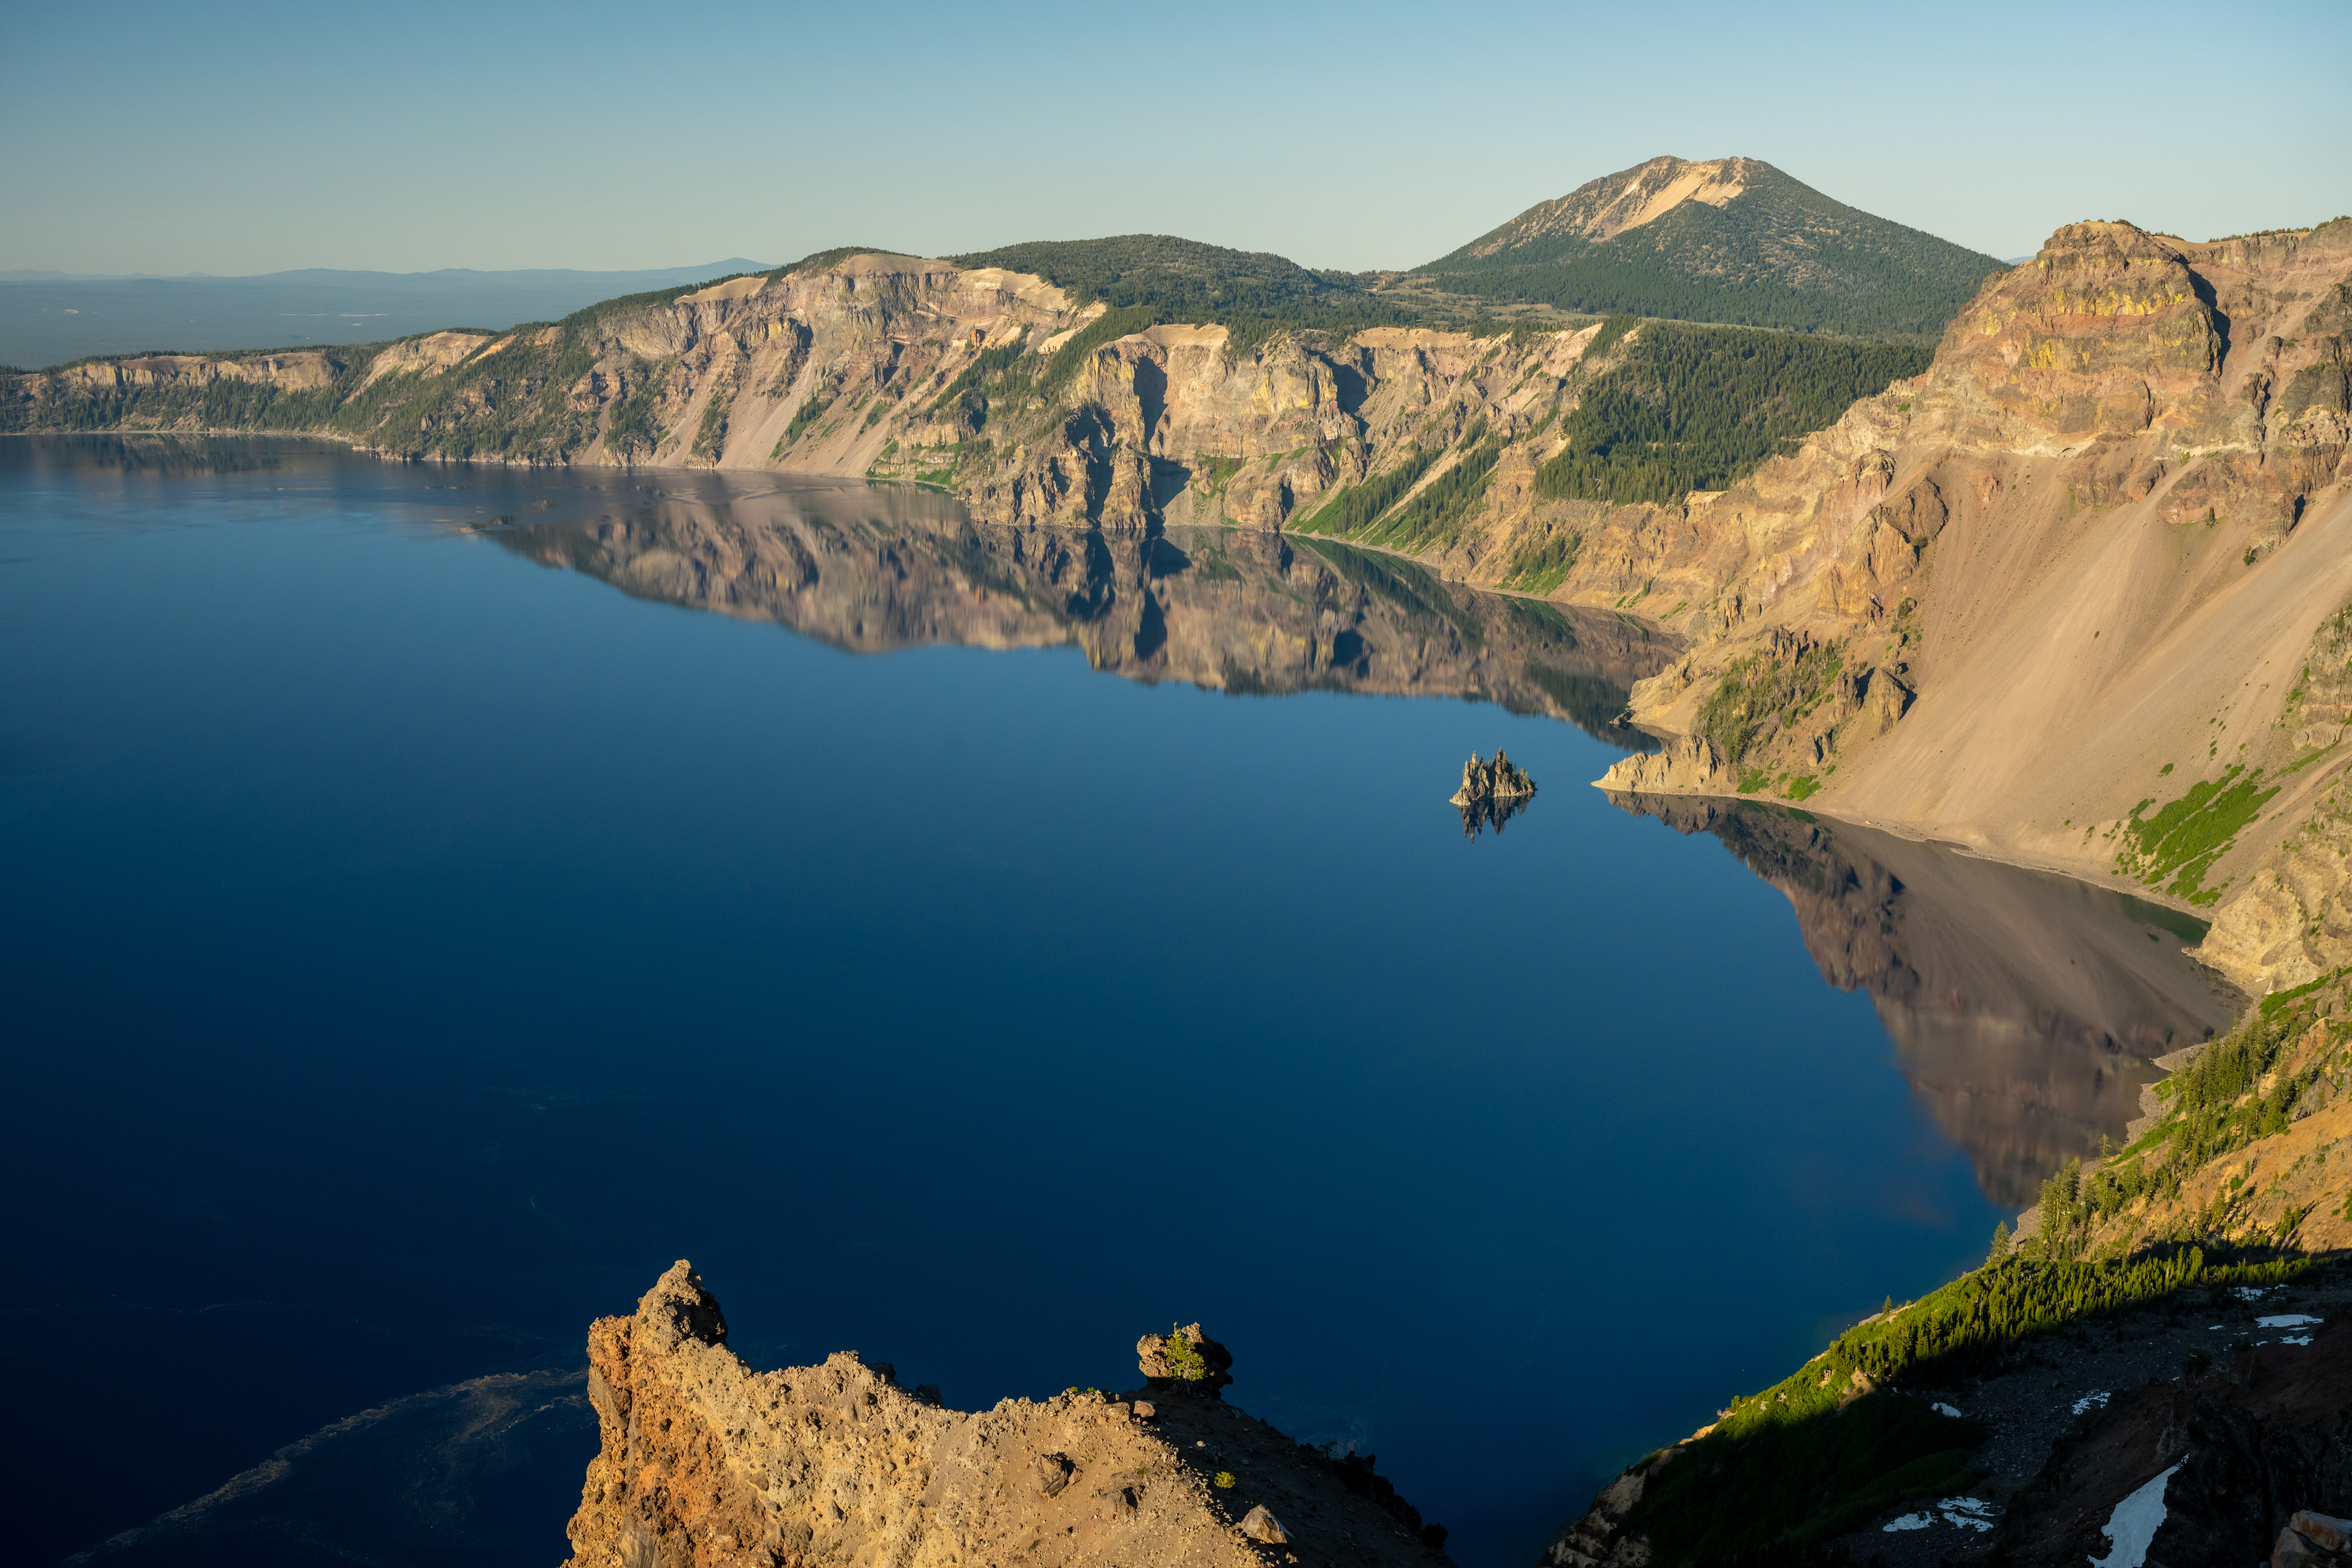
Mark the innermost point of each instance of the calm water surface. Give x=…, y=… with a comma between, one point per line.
x=413, y=944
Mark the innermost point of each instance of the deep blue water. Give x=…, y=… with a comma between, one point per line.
x=411, y=950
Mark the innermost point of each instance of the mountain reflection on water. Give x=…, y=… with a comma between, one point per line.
x=1245, y=613
x=418, y=950
x=2026, y=1008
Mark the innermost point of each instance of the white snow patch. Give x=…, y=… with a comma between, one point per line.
x=2254, y=1292
x=2295, y=1339
x=1943, y=1409
x=1970, y=1512
x=2213, y=1328
x=2095, y=1399
x=2134, y=1524
x=2288, y=1321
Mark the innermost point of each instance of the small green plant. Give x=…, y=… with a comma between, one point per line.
x=1185, y=1363
x=1223, y=1480
x=808, y=414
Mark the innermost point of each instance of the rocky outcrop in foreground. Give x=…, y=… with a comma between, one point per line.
x=2206, y=1430
x=707, y=1463
x=2222, y=1464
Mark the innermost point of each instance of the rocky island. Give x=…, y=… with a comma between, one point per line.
x=1492, y=793
x=1499, y=779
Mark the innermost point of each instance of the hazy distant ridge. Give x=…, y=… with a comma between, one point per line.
x=53, y=318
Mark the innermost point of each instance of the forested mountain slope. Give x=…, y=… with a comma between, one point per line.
x=1730, y=240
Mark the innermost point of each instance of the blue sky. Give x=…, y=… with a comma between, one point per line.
x=249, y=137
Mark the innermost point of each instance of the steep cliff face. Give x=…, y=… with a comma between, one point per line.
x=705, y=1463
x=2065, y=597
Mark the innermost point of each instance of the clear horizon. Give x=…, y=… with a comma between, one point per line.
x=571, y=136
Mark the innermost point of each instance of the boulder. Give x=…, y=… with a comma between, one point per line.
x=1260, y=1525
x=1185, y=1360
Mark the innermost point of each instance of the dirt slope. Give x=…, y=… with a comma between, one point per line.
x=2079, y=568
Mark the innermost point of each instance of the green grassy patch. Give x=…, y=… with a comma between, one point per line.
x=1819, y=1453
x=1761, y=695
x=1354, y=510
x=2186, y=835
x=1539, y=565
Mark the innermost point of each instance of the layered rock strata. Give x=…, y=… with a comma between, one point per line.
x=2065, y=598
x=704, y=1462
x=2071, y=598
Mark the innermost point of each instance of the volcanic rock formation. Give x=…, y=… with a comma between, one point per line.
x=707, y=1464
x=2073, y=598
x=1498, y=778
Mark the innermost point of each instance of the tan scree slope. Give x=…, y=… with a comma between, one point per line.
x=1604, y=208
x=2078, y=567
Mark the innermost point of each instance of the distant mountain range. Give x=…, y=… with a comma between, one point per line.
x=50, y=317
x=1730, y=240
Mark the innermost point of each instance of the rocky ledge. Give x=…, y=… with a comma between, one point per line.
x=705, y=1463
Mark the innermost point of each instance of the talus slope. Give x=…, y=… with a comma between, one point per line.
x=2085, y=567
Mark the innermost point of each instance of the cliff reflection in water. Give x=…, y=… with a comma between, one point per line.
x=872, y=569
x=2026, y=1008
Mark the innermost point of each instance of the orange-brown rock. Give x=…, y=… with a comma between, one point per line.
x=705, y=1463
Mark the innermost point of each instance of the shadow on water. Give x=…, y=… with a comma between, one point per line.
x=2025, y=1009
x=454, y=1475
